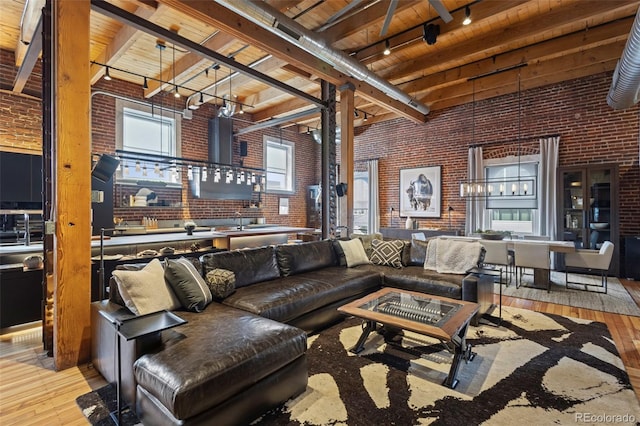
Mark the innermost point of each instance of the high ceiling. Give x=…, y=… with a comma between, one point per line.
x=276, y=68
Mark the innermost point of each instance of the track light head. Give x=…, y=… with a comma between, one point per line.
x=145, y=85
x=106, y=75
x=431, y=33
x=467, y=16
x=387, y=48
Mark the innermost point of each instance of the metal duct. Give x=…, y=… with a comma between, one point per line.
x=625, y=87
x=288, y=29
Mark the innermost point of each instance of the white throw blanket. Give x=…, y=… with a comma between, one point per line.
x=450, y=256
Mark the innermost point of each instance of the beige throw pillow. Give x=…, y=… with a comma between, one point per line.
x=354, y=252
x=145, y=291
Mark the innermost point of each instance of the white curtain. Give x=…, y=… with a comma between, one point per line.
x=475, y=207
x=547, y=198
x=374, y=197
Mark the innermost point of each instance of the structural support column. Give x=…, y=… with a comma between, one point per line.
x=347, y=106
x=328, y=119
x=72, y=182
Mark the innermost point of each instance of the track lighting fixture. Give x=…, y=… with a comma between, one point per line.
x=387, y=48
x=467, y=16
x=106, y=75
x=204, y=174
x=355, y=113
x=177, y=93
x=365, y=117
x=430, y=33
x=145, y=85
x=137, y=166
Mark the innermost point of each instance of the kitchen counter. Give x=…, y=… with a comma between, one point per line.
x=132, y=244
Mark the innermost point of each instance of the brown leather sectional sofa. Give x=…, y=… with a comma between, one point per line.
x=245, y=354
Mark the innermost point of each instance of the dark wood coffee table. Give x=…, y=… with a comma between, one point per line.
x=439, y=317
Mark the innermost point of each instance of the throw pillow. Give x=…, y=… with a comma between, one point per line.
x=354, y=252
x=221, y=282
x=187, y=283
x=145, y=291
x=387, y=253
x=367, y=239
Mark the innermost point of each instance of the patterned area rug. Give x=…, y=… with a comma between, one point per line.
x=534, y=369
x=617, y=300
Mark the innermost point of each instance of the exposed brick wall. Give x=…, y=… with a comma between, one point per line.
x=590, y=132
x=20, y=115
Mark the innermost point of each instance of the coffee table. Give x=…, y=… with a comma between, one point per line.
x=439, y=317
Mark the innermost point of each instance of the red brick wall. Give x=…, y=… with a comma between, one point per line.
x=20, y=115
x=590, y=132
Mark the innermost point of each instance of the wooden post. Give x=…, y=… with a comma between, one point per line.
x=347, y=106
x=72, y=174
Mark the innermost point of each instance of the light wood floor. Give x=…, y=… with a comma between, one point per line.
x=32, y=393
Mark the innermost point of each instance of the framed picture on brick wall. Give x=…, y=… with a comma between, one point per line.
x=420, y=191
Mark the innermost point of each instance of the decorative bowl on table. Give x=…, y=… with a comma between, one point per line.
x=492, y=235
x=599, y=225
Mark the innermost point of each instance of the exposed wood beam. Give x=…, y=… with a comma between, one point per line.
x=123, y=40
x=150, y=28
x=495, y=42
x=277, y=121
x=243, y=29
x=30, y=59
x=72, y=153
x=568, y=44
x=189, y=62
x=28, y=31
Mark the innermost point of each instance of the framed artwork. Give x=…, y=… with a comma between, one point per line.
x=420, y=192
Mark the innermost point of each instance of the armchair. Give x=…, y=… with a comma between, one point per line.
x=592, y=260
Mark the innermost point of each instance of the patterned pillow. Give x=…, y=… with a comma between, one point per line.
x=221, y=282
x=387, y=253
x=187, y=283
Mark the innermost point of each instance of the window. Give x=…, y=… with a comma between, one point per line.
x=279, y=165
x=361, y=202
x=152, y=133
x=515, y=214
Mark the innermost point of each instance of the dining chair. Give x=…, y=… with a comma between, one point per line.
x=536, y=256
x=590, y=260
x=497, y=255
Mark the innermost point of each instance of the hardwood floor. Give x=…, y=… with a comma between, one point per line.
x=32, y=393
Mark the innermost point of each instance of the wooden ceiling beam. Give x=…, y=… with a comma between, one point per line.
x=564, y=45
x=29, y=29
x=495, y=42
x=121, y=43
x=243, y=29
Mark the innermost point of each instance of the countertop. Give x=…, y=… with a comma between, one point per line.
x=11, y=254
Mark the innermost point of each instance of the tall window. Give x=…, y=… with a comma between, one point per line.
x=152, y=133
x=279, y=165
x=361, y=202
x=514, y=214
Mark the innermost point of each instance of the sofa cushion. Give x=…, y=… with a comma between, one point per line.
x=250, y=266
x=298, y=258
x=187, y=284
x=415, y=253
x=416, y=278
x=354, y=253
x=221, y=282
x=288, y=298
x=387, y=253
x=145, y=290
x=215, y=356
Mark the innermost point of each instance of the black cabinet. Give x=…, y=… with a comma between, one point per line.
x=20, y=296
x=588, y=208
x=20, y=181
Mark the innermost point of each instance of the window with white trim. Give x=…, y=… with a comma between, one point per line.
x=153, y=133
x=518, y=215
x=279, y=164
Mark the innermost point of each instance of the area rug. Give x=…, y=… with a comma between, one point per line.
x=534, y=369
x=617, y=300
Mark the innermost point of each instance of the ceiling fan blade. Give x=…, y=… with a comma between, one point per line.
x=442, y=11
x=387, y=19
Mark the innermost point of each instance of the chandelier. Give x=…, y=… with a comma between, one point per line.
x=503, y=187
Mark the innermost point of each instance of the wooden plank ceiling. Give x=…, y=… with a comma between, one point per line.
x=526, y=43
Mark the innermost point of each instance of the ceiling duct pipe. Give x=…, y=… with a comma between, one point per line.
x=625, y=85
x=288, y=29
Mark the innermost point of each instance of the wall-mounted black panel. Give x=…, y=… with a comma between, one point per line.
x=211, y=190
x=221, y=140
x=20, y=180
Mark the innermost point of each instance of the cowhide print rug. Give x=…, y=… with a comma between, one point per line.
x=534, y=369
